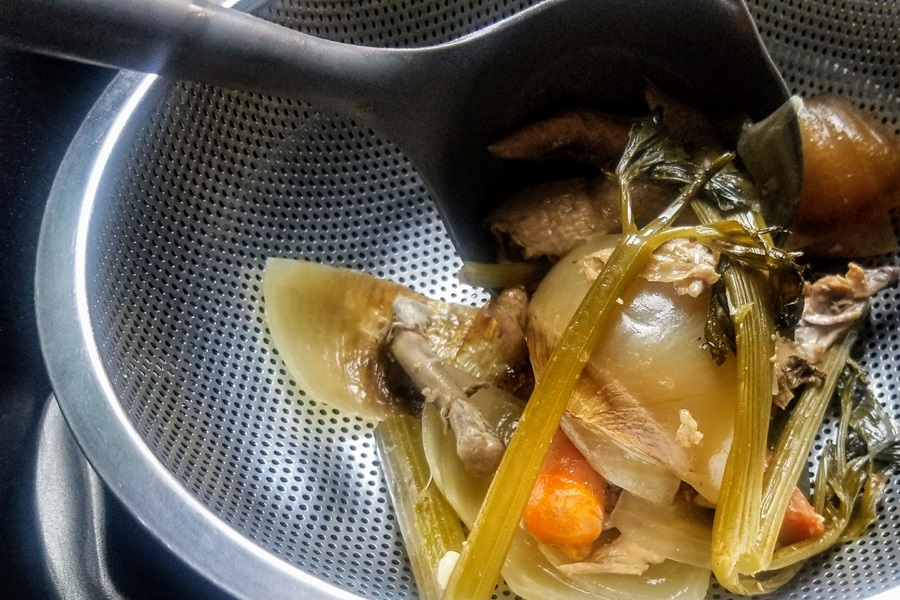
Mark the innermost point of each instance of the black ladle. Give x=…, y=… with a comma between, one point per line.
x=442, y=105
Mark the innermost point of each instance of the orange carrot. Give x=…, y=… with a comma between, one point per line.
x=801, y=521
x=566, y=504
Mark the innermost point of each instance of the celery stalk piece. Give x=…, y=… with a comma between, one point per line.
x=737, y=517
x=502, y=275
x=485, y=551
x=848, y=484
x=429, y=525
x=482, y=559
x=794, y=443
x=781, y=475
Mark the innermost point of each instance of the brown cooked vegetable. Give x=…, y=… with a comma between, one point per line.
x=851, y=179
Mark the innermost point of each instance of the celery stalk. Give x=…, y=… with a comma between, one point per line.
x=485, y=551
x=781, y=475
x=429, y=525
x=847, y=487
x=737, y=517
x=479, y=566
x=501, y=275
x=794, y=443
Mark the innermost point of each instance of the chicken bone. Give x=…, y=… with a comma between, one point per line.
x=477, y=444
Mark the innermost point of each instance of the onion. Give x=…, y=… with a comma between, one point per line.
x=327, y=324
x=851, y=178
x=654, y=351
x=678, y=531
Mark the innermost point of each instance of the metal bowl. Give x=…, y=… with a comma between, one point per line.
x=153, y=326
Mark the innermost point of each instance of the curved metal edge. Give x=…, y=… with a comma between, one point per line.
x=113, y=447
x=83, y=531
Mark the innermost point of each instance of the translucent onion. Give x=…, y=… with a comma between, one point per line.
x=527, y=570
x=327, y=325
x=619, y=464
x=678, y=531
x=653, y=349
x=851, y=179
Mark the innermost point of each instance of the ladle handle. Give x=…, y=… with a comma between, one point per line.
x=198, y=41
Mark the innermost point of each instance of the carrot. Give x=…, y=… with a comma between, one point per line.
x=801, y=521
x=566, y=504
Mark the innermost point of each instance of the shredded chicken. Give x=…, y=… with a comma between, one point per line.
x=690, y=266
x=832, y=305
x=620, y=556
x=688, y=434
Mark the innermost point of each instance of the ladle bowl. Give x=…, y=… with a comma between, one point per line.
x=442, y=104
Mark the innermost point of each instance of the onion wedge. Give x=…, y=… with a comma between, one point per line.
x=327, y=324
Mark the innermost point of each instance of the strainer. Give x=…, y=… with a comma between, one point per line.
x=149, y=300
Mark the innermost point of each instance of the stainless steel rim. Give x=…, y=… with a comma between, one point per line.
x=89, y=402
x=115, y=449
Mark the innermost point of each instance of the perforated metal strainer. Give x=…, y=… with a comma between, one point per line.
x=164, y=211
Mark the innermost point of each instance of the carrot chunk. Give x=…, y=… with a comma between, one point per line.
x=801, y=521
x=566, y=504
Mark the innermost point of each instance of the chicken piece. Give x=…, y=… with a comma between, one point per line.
x=832, y=305
x=835, y=302
x=586, y=136
x=688, y=265
x=621, y=556
x=683, y=122
x=477, y=444
x=551, y=219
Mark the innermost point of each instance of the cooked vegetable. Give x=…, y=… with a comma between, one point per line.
x=800, y=522
x=528, y=571
x=660, y=354
x=508, y=274
x=679, y=530
x=737, y=515
x=852, y=469
x=494, y=530
x=430, y=527
x=851, y=179
x=567, y=502
x=494, y=349
x=328, y=323
x=653, y=330
x=619, y=439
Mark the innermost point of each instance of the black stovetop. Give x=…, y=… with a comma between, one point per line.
x=62, y=533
